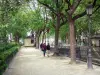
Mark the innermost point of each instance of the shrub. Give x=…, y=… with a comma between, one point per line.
x=7, y=46
x=6, y=54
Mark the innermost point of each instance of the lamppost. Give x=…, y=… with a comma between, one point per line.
x=89, y=58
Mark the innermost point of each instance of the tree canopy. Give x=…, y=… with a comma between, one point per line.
x=62, y=18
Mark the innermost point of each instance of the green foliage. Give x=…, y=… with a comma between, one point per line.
x=81, y=25
x=2, y=68
x=4, y=47
x=18, y=18
x=64, y=30
x=3, y=32
x=8, y=8
x=96, y=21
x=18, y=25
x=7, y=52
x=36, y=20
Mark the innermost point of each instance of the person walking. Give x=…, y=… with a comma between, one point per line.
x=44, y=49
x=41, y=45
x=48, y=49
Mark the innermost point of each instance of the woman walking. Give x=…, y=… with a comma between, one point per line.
x=44, y=49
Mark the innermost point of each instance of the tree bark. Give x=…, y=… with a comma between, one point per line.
x=57, y=34
x=17, y=38
x=72, y=40
x=56, y=40
x=37, y=38
x=43, y=37
x=37, y=41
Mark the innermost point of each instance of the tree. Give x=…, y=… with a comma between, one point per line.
x=18, y=26
x=73, y=6
x=36, y=24
x=55, y=7
x=8, y=8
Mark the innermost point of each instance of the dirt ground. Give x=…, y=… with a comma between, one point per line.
x=30, y=61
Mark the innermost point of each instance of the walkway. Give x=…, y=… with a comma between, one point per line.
x=29, y=61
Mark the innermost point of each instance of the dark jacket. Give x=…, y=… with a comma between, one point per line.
x=48, y=47
x=41, y=45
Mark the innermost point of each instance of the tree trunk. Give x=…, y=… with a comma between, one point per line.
x=34, y=39
x=56, y=52
x=32, y=36
x=37, y=40
x=43, y=37
x=72, y=40
x=16, y=38
x=56, y=40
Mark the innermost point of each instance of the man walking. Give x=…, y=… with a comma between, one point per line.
x=48, y=50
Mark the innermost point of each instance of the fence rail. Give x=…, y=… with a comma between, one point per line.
x=81, y=53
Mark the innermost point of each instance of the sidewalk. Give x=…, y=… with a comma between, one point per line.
x=30, y=61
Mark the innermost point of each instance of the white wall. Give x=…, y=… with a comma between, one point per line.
x=27, y=42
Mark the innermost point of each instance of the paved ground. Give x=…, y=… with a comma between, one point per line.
x=29, y=61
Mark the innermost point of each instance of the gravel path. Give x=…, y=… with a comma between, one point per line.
x=30, y=61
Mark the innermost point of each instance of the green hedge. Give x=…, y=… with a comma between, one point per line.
x=2, y=68
x=8, y=52
x=4, y=47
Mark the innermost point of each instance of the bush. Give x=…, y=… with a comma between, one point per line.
x=2, y=68
x=8, y=52
x=6, y=46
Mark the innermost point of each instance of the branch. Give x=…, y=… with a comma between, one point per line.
x=51, y=8
x=75, y=5
x=63, y=22
x=69, y=4
x=72, y=7
x=94, y=3
x=96, y=9
x=84, y=13
x=79, y=15
x=67, y=1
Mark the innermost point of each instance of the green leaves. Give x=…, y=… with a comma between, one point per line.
x=9, y=51
x=64, y=30
x=35, y=20
x=19, y=24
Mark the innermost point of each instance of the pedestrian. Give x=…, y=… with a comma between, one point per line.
x=48, y=49
x=41, y=46
x=44, y=49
